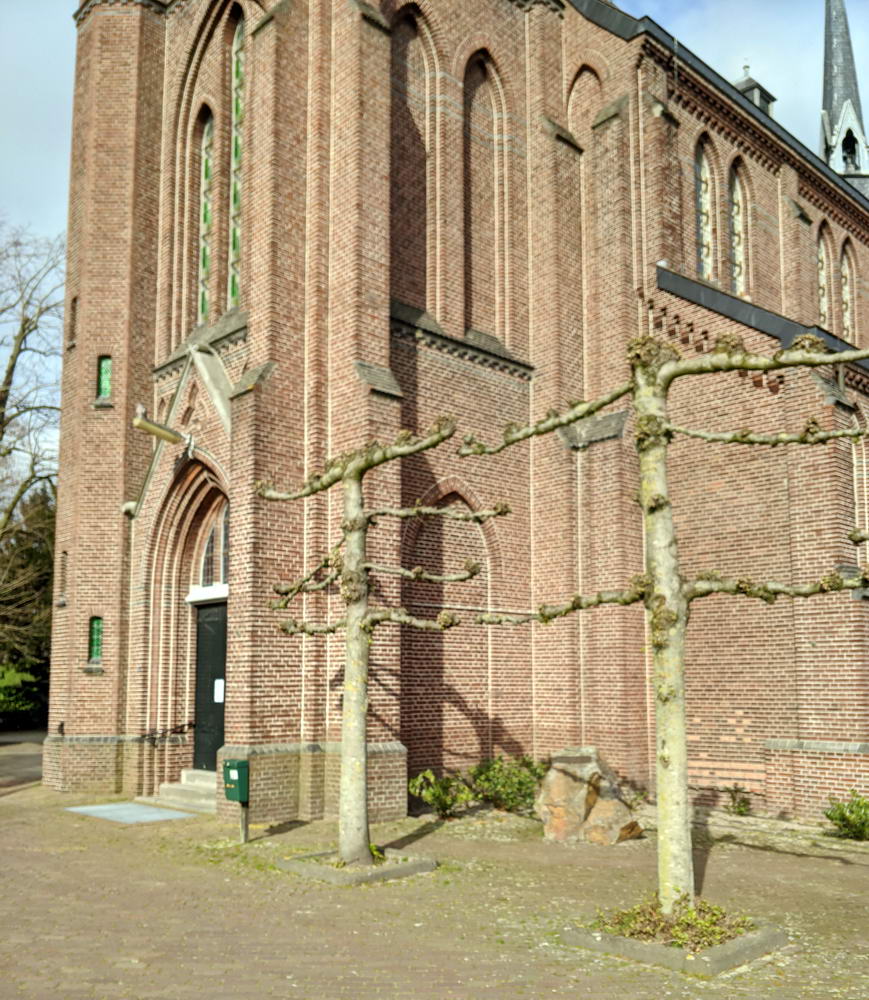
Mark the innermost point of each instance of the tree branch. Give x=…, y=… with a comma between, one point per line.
x=811, y=434
x=548, y=612
x=712, y=583
x=293, y=627
x=304, y=586
x=399, y=616
x=551, y=422
x=453, y=513
x=354, y=464
x=471, y=570
x=729, y=355
x=858, y=536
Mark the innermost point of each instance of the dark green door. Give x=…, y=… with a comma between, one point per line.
x=210, y=684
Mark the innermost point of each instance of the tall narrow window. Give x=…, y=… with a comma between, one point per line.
x=205, y=217
x=73, y=322
x=847, y=297
x=104, y=377
x=95, y=640
x=738, y=232
x=214, y=568
x=233, y=290
x=823, y=284
x=703, y=210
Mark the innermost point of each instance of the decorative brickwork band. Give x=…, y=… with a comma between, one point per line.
x=556, y=5
x=158, y=6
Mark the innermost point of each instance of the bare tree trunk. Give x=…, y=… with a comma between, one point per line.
x=353, y=836
x=667, y=612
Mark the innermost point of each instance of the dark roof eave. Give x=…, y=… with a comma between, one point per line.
x=628, y=27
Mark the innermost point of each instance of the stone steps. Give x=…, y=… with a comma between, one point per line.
x=195, y=792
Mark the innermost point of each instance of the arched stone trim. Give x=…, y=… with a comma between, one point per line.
x=824, y=285
x=431, y=498
x=485, y=162
x=416, y=161
x=214, y=24
x=478, y=43
x=705, y=200
x=579, y=120
x=848, y=280
x=189, y=506
x=426, y=11
x=737, y=226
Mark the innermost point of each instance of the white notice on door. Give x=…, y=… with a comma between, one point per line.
x=218, y=691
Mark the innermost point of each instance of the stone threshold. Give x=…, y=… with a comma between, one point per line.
x=706, y=964
x=312, y=866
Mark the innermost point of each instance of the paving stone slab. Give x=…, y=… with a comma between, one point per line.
x=309, y=866
x=129, y=812
x=706, y=964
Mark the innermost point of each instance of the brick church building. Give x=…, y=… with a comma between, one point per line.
x=297, y=225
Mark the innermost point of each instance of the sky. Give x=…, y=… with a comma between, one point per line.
x=781, y=40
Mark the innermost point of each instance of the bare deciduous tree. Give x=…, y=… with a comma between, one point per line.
x=31, y=311
x=666, y=593
x=347, y=565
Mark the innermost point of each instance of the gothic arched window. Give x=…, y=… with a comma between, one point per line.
x=738, y=212
x=233, y=289
x=703, y=212
x=823, y=282
x=206, y=213
x=214, y=568
x=847, y=296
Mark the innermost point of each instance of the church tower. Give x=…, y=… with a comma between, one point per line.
x=843, y=137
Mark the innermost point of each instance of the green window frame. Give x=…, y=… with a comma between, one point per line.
x=95, y=640
x=104, y=377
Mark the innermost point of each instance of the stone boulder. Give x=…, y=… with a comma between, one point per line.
x=579, y=800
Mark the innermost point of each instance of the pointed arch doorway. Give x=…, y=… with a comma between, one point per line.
x=184, y=692
x=208, y=600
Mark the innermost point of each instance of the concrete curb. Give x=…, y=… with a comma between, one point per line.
x=307, y=867
x=706, y=964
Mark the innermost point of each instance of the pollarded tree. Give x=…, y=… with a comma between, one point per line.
x=347, y=566
x=666, y=593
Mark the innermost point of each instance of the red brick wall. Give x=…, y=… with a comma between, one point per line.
x=517, y=173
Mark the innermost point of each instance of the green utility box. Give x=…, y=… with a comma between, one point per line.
x=236, y=780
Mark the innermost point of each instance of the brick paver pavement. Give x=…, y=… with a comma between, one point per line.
x=92, y=910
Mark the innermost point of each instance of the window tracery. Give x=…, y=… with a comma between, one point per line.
x=738, y=234
x=703, y=205
x=823, y=284
x=847, y=297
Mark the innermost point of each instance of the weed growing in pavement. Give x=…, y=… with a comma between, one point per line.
x=692, y=925
x=740, y=803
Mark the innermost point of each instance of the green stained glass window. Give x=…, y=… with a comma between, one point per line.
x=95, y=639
x=205, y=217
x=233, y=281
x=104, y=377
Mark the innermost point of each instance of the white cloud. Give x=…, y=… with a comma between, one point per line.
x=781, y=40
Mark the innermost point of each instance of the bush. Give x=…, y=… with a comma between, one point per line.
x=508, y=783
x=445, y=795
x=692, y=926
x=850, y=818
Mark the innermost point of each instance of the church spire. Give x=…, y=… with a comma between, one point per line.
x=843, y=136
